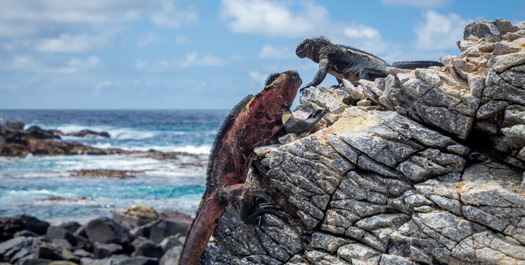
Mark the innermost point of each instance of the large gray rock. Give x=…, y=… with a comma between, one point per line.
x=426, y=168
x=105, y=230
x=16, y=249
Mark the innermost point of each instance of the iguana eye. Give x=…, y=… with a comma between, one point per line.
x=271, y=78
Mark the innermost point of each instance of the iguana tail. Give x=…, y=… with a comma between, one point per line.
x=201, y=229
x=415, y=64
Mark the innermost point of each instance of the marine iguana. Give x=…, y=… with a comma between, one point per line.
x=349, y=63
x=251, y=123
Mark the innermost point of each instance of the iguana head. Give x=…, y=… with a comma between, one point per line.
x=310, y=47
x=285, y=85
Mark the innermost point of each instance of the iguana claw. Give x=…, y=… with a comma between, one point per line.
x=252, y=210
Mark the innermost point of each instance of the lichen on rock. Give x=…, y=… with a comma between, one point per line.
x=425, y=166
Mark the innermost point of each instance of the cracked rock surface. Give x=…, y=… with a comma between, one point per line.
x=427, y=167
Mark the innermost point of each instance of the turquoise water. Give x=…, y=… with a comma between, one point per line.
x=26, y=182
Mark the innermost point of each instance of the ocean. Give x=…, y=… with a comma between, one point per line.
x=27, y=183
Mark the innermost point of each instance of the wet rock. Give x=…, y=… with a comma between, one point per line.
x=106, y=173
x=89, y=133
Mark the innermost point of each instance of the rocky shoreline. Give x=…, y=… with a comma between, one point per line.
x=15, y=141
x=138, y=235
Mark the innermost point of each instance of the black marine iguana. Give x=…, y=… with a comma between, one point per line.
x=347, y=62
x=251, y=123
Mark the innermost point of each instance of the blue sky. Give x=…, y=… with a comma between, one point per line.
x=162, y=54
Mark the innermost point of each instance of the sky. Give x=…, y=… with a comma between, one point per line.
x=197, y=54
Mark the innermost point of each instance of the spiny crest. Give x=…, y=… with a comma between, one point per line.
x=322, y=38
x=271, y=78
x=226, y=125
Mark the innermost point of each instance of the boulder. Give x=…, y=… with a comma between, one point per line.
x=105, y=230
x=146, y=248
x=32, y=261
x=126, y=260
x=10, y=225
x=16, y=249
x=61, y=236
x=171, y=257
x=13, y=125
x=104, y=250
x=134, y=216
x=54, y=252
x=89, y=133
x=163, y=228
x=38, y=133
x=171, y=242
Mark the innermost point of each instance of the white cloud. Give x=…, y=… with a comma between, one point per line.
x=418, y=3
x=439, y=32
x=73, y=43
x=170, y=17
x=35, y=18
x=191, y=60
x=78, y=26
x=31, y=65
x=268, y=51
x=272, y=18
x=275, y=18
x=147, y=39
x=361, y=31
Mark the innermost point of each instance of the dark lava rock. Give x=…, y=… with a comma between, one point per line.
x=104, y=250
x=32, y=261
x=54, y=252
x=60, y=234
x=10, y=225
x=160, y=229
x=127, y=260
x=13, y=125
x=105, y=230
x=89, y=133
x=147, y=248
x=136, y=215
x=171, y=256
x=38, y=133
x=15, y=249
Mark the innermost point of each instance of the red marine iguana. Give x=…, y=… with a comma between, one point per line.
x=251, y=123
x=349, y=63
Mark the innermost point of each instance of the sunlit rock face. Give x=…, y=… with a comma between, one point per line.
x=424, y=166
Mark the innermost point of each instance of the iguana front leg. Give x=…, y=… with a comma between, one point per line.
x=294, y=125
x=320, y=75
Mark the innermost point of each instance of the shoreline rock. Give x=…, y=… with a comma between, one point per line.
x=17, y=142
x=428, y=167
x=27, y=240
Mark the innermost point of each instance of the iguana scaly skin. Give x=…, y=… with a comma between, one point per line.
x=251, y=123
x=347, y=62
